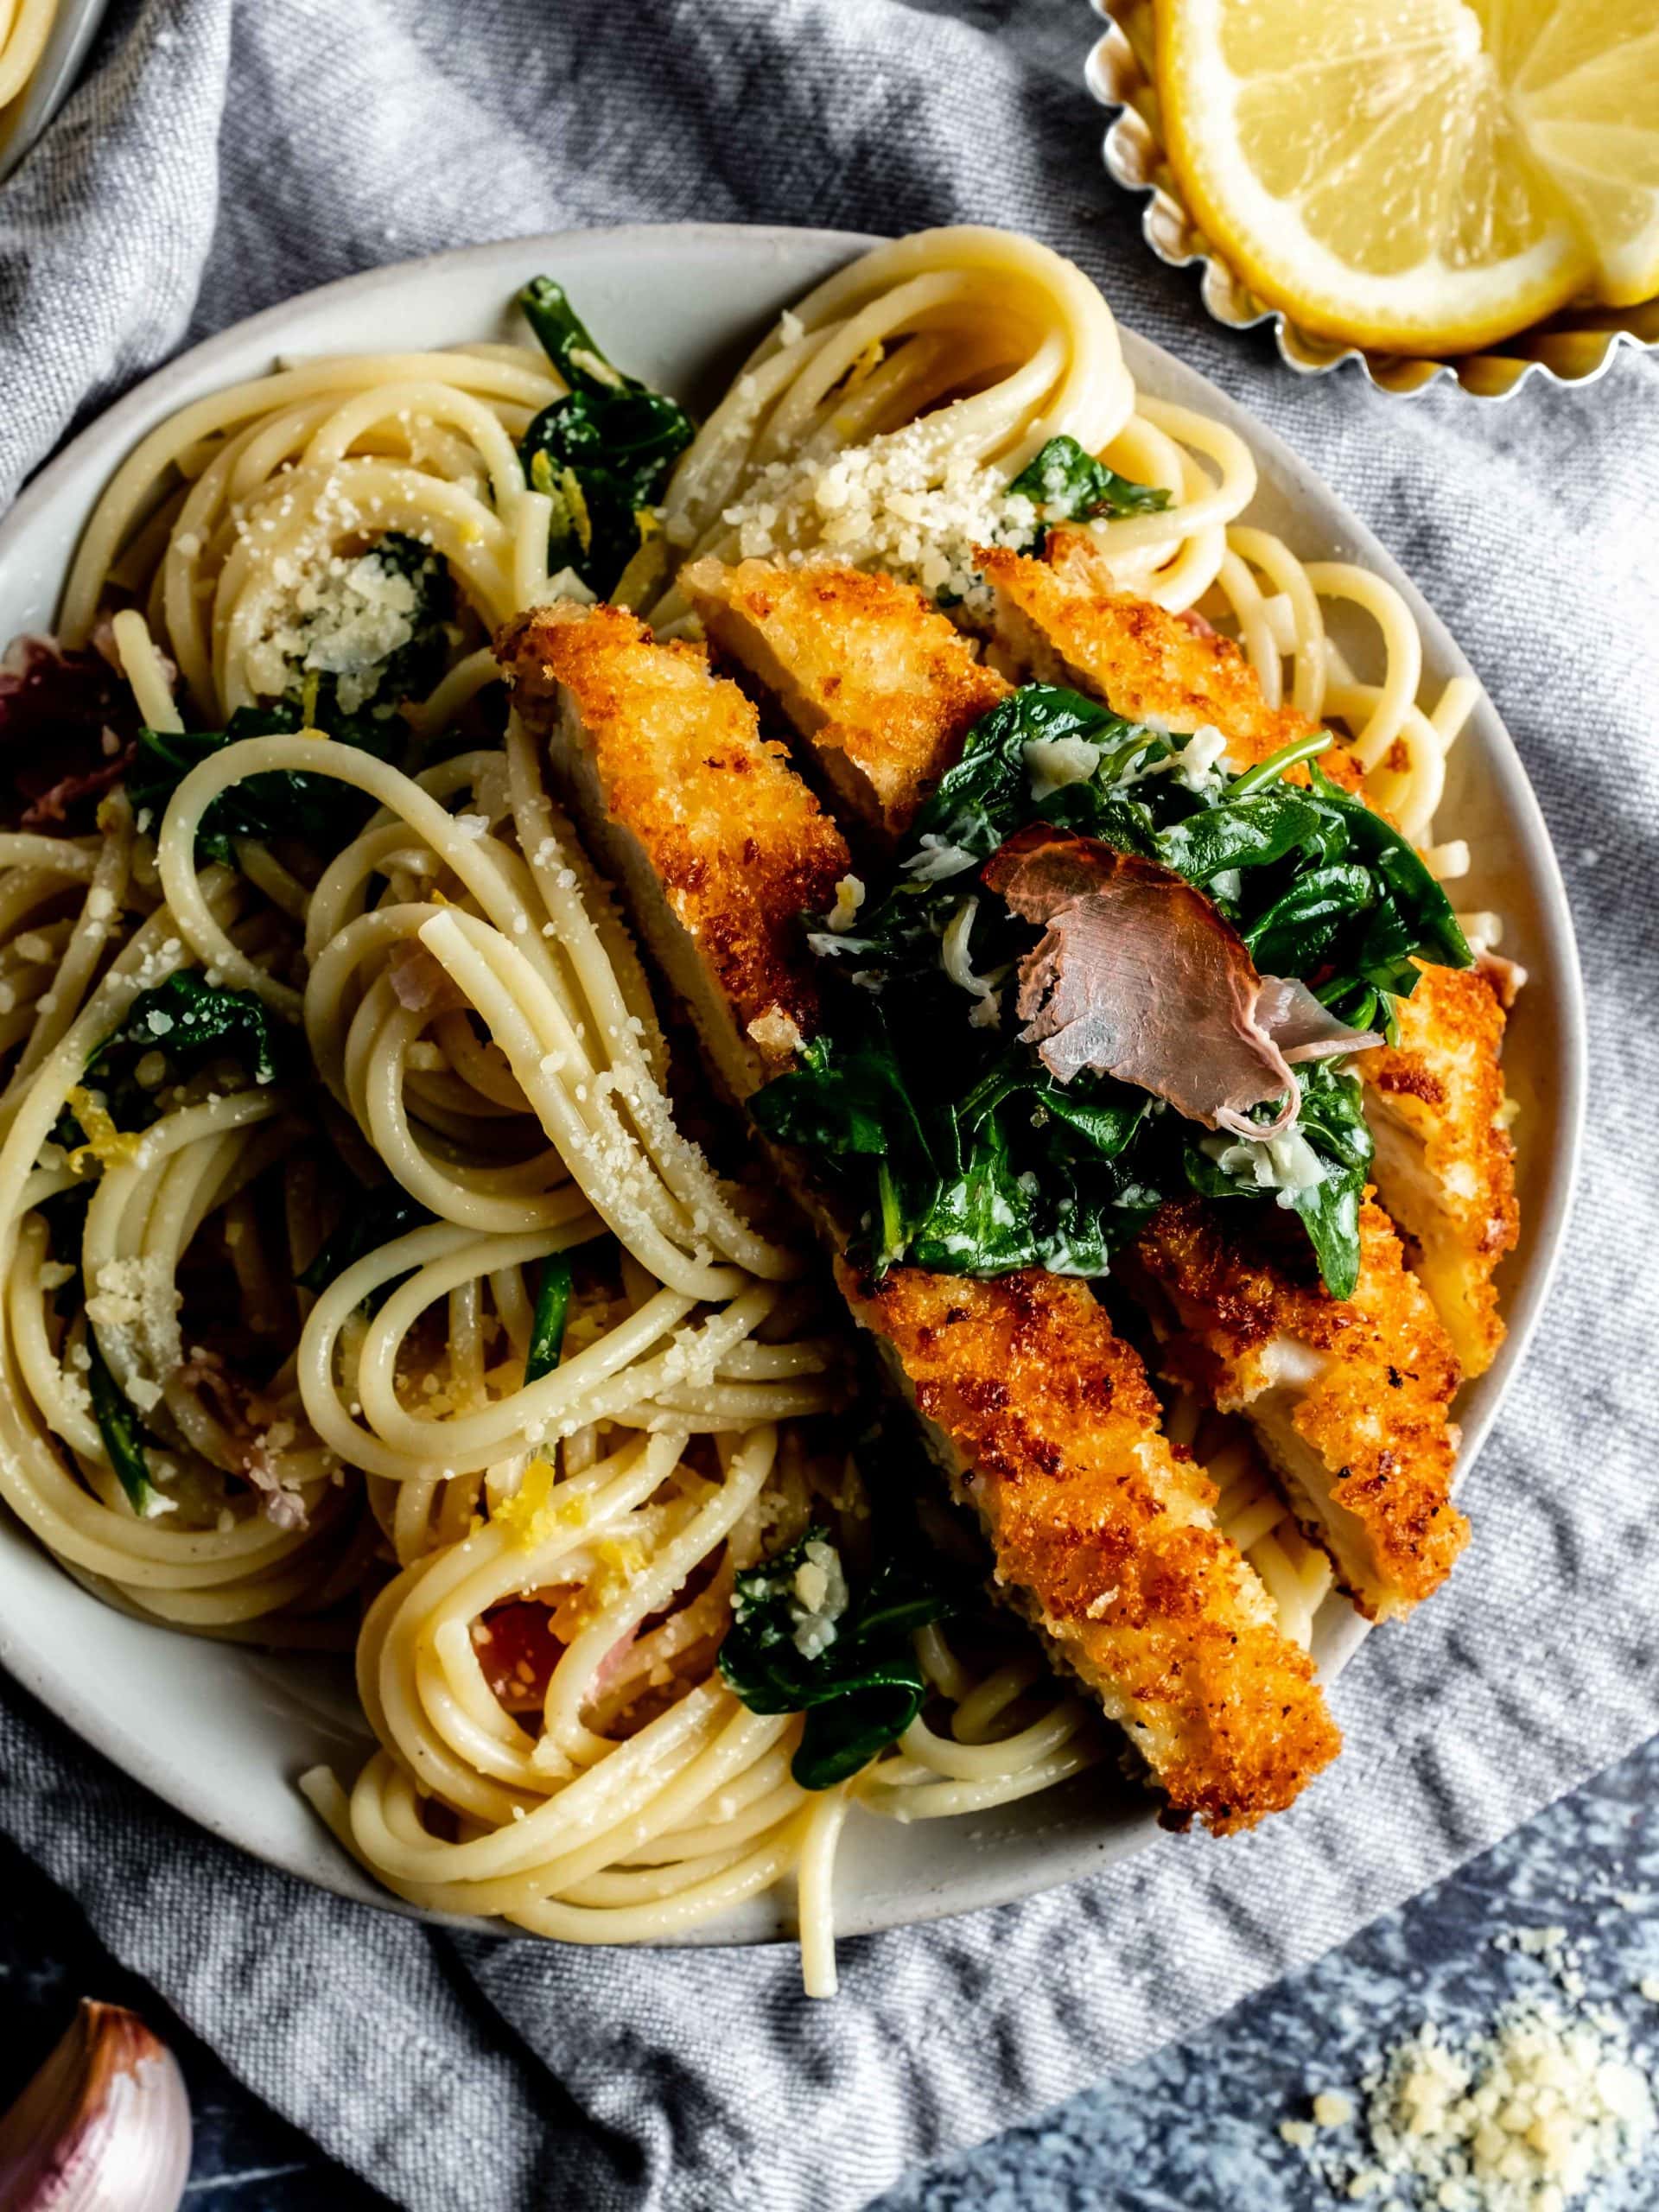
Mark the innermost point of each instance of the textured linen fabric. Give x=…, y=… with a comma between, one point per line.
x=215, y=160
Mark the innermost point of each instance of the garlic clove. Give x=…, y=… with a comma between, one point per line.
x=103, y=2127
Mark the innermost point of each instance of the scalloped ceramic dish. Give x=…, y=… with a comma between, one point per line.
x=219, y=1731
x=1573, y=347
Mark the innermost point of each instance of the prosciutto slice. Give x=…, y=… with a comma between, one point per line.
x=1138, y=976
x=68, y=731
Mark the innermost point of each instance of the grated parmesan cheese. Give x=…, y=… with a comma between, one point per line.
x=334, y=614
x=936, y=858
x=956, y=961
x=1528, y=2116
x=1054, y=762
x=898, y=503
x=1287, y=1164
x=1522, y=2120
x=137, y=1299
x=819, y=1595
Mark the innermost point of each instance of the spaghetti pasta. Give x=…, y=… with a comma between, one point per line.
x=986, y=346
x=25, y=26
x=472, y=1107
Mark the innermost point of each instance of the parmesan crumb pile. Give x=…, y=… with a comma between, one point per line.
x=339, y=615
x=898, y=503
x=1530, y=2115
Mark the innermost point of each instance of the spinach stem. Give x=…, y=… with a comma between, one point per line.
x=117, y=1425
x=547, y=1329
x=1265, y=772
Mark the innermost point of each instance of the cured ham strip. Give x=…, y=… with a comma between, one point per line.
x=1138, y=976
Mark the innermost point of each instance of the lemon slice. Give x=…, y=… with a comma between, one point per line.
x=1362, y=164
x=1584, y=82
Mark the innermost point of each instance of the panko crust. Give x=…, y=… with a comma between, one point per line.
x=1451, y=1187
x=1062, y=620
x=882, y=685
x=738, y=845
x=1102, y=1536
x=1376, y=1413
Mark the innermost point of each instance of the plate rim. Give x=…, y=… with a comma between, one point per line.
x=68, y=41
x=117, y=429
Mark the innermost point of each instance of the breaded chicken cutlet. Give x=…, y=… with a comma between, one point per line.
x=1063, y=621
x=1142, y=661
x=720, y=844
x=884, y=687
x=1042, y=1419
x=1101, y=1535
x=1348, y=1397
x=1444, y=1166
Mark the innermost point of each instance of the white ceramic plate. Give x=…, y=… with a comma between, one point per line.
x=22, y=120
x=221, y=1732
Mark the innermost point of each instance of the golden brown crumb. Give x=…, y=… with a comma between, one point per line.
x=882, y=686
x=1063, y=621
x=737, y=843
x=1445, y=1165
x=1103, y=1538
x=1348, y=1396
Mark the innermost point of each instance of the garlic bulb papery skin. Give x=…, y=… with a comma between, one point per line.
x=103, y=2127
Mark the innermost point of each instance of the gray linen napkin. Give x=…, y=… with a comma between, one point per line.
x=214, y=162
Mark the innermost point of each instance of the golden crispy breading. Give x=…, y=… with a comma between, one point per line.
x=1063, y=621
x=1444, y=1166
x=1348, y=1397
x=1102, y=1536
x=1090, y=1509
x=691, y=809
x=882, y=685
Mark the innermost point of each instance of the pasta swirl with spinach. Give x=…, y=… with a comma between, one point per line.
x=365, y=1286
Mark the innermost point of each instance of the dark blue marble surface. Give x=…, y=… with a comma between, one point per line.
x=1193, y=2129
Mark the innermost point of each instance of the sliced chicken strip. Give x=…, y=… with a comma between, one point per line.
x=882, y=686
x=1044, y=1423
x=1348, y=1397
x=1444, y=1166
x=717, y=841
x=1063, y=621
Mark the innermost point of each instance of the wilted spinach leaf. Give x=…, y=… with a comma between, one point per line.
x=1237, y=833
x=986, y=795
x=1424, y=921
x=120, y=1428
x=602, y=452
x=1294, y=935
x=547, y=1322
x=847, y=1099
x=1333, y=1121
x=318, y=813
x=190, y=1023
x=1066, y=484
x=861, y=1688
x=376, y=1218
